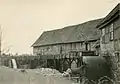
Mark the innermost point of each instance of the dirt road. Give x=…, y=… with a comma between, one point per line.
x=15, y=76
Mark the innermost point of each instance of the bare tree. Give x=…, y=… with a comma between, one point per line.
x=0, y=40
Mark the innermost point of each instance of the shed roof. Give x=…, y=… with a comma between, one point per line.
x=111, y=16
x=82, y=32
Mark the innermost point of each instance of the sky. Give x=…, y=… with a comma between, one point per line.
x=23, y=21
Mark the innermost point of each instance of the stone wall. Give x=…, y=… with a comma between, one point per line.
x=111, y=49
x=115, y=68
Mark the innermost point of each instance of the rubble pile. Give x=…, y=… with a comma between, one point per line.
x=67, y=72
x=49, y=71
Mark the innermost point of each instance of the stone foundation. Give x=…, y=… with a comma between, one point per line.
x=114, y=62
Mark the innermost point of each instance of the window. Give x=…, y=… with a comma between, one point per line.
x=117, y=55
x=103, y=31
x=107, y=30
x=107, y=33
x=103, y=39
x=103, y=35
x=111, y=32
x=61, y=49
x=86, y=46
x=71, y=46
x=74, y=46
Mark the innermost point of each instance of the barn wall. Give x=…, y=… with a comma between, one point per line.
x=45, y=50
x=62, y=48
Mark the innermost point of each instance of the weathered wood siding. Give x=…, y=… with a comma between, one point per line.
x=44, y=50
x=63, y=48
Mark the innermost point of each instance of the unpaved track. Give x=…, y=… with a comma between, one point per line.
x=12, y=76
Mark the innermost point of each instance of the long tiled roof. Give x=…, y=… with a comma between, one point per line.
x=82, y=32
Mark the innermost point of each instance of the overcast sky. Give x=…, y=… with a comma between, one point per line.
x=23, y=21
